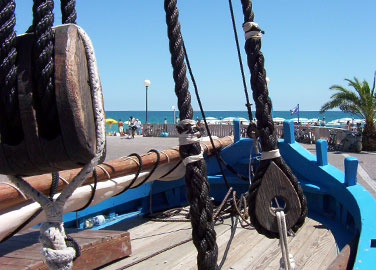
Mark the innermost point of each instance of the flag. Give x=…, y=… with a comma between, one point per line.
x=295, y=109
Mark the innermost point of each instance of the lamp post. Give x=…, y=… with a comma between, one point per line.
x=173, y=108
x=147, y=84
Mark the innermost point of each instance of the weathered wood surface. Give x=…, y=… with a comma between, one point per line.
x=119, y=167
x=313, y=247
x=275, y=184
x=75, y=145
x=23, y=251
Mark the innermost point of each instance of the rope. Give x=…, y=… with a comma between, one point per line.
x=93, y=189
x=201, y=209
x=44, y=67
x=54, y=184
x=68, y=11
x=248, y=104
x=139, y=163
x=57, y=248
x=287, y=261
x=153, y=169
x=10, y=121
x=265, y=126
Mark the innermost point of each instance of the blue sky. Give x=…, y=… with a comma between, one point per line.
x=308, y=46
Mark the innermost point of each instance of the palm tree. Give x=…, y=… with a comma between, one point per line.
x=362, y=102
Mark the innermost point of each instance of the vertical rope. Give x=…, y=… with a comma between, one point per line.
x=43, y=76
x=201, y=210
x=265, y=126
x=68, y=11
x=10, y=122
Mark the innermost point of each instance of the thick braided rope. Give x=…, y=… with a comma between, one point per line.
x=265, y=127
x=68, y=11
x=43, y=75
x=10, y=122
x=201, y=210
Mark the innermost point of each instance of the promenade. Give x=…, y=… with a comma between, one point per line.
x=122, y=146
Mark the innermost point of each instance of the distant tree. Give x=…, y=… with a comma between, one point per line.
x=361, y=102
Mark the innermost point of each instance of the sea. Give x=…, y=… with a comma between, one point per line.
x=159, y=116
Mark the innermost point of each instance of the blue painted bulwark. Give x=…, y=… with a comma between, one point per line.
x=288, y=131
x=351, y=167
x=236, y=125
x=322, y=152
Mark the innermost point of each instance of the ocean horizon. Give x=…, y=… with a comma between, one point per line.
x=159, y=116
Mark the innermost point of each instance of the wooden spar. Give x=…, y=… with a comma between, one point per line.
x=115, y=168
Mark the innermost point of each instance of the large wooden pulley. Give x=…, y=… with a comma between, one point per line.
x=75, y=144
x=276, y=193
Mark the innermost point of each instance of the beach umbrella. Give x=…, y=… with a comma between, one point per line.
x=110, y=121
x=278, y=119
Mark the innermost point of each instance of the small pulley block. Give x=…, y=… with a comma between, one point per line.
x=75, y=144
x=276, y=193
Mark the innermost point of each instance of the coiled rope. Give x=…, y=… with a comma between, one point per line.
x=265, y=123
x=201, y=209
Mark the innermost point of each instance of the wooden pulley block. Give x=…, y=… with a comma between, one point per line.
x=276, y=192
x=75, y=144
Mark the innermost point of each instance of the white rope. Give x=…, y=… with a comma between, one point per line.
x=270, y=154
x=16, y=188
x=55, y=250
x=194, y=158
x=287, y=261
x=168, y=158
x=105, y=171
x=64, y=180
x=256, y=34
x=131, y=158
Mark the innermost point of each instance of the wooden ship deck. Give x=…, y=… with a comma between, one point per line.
x=167, y=245
x=313, y=247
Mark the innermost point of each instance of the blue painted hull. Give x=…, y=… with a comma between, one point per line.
x=334, y=198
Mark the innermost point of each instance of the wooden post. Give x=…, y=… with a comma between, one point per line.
x=351, y=167
x=288, y=131
x=236, y=128
x=322, y=152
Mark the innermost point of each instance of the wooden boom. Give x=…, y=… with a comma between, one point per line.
x=9, y=196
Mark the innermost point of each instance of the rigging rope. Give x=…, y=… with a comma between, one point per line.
x=10, y=121
x=201, y=210
x=265, y=126
x=68, y=11
x=43, y=71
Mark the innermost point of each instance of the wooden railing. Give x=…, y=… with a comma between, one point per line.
x=302, y=133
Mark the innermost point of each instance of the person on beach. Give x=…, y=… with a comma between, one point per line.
x=165, y=125
x=348, y=125
x=323, y=121
x=121, y=127
x=132, y=127
x=138, y=126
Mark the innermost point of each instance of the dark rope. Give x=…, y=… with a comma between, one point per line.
x=10, y=121
x=248, y=104
x=215, y=151
x=68, y=11
x=173, y=169
x=54, y=184
x=70, y=242
x=137, y=173
x=153, y=169
x=43, y=75
x=93, y=190
x=201, y=209
x=265, y=127
x=19, y=228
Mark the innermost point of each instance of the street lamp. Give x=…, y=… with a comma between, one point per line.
x=147, y=84
x=173, y=108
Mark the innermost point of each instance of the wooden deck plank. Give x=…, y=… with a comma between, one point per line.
x=97, y=247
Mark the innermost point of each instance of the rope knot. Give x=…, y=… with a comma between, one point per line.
x=190, y=134
x=252, y=30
